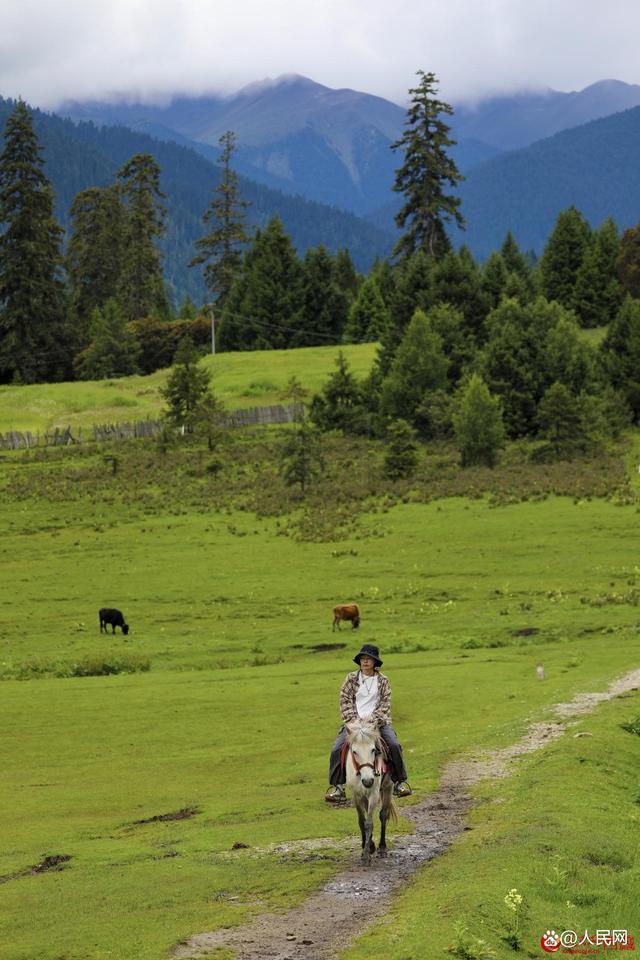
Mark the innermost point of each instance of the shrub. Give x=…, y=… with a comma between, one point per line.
x=90, y=666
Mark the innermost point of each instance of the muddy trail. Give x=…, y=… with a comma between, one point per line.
x=322, y=926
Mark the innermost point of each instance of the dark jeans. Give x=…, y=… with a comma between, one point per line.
x=388, y=734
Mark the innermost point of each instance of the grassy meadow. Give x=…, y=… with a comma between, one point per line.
x=147, y=780
x=239, y=380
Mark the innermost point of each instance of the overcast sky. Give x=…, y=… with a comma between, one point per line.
x=56, y=49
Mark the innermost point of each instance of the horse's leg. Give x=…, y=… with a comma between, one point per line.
x=384, y=816
x=361, y=820
x=369, y=845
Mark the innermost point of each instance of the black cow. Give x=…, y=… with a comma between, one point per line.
x=115, y=618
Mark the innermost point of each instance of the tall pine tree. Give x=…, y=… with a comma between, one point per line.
x=563, y=255
x=141, y=283
x=95, y=252
x=426, y=174
x=32, y=300
x=221, y=250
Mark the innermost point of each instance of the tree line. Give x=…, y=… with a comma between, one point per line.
x=500, y=340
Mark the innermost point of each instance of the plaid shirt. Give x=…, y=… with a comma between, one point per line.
x=348, y=711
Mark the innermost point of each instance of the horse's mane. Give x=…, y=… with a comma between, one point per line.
x=363, y=731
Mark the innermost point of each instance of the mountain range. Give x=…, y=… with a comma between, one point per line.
x=321, y=160
x=81, y=155
x=333, y=146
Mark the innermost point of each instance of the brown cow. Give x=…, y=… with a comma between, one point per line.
x=346, y=611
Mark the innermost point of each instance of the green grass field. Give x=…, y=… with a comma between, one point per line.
x=233, y=721
x=238, y=379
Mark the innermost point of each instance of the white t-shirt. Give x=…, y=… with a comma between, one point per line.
x=367, y=695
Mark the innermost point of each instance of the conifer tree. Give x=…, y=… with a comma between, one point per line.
x=558, y=419
x=324, y=304
x=221, y=250
x=401, y=452
x=187, y=391
x=296, y=394
x=385, y=277
x=188, y=310
x=597, y=295
x=495, y=277
x=32, y=300
x=95, y=252
x=516, y=263
x=478, y=425
x=141, y=283
x=412, y=290
x=510, y=365
x=458, y=345
x=368, y=317
x=563, y=255
x=419, y=368
x=621, y=354
x=456, y=280
x=565, y=356
x=529, y=346
x=346, y=275
x=628, y=263
x=301, y=457
x=264, y=308
x=113, y=350
x=426, y=174
x=338, y=405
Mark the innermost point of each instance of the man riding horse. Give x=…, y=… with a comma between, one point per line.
x=366, y=695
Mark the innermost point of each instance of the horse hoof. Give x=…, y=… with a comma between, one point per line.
x=382, y=851
x=372, y=847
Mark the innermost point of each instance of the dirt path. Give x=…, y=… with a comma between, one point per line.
x=320, y=927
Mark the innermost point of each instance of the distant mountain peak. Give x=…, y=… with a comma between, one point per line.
x=608, y=85
x=270, y=83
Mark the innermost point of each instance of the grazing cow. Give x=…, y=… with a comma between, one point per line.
x=346, y=611
x=115, y=618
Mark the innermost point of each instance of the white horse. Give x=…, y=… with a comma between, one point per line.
x=370, y=784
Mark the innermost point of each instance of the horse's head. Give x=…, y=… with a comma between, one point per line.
x=364, y=748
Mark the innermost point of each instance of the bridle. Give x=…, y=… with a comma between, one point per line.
x=376, y=766
x=360, y=766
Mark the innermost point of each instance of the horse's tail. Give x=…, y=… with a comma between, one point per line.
x=393, y=811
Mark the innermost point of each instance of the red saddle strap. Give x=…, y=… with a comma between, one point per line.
x=343, y=755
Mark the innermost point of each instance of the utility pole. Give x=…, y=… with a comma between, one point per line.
x=213, y=329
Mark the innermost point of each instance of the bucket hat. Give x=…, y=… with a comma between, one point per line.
x=368, y=650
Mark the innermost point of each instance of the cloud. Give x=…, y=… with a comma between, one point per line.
x=51, y=50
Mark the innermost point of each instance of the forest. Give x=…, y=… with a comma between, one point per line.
x=501, y=341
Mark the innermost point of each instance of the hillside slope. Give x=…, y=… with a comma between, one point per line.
x=594, y=167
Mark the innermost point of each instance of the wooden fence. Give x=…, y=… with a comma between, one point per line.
x=135, y=429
